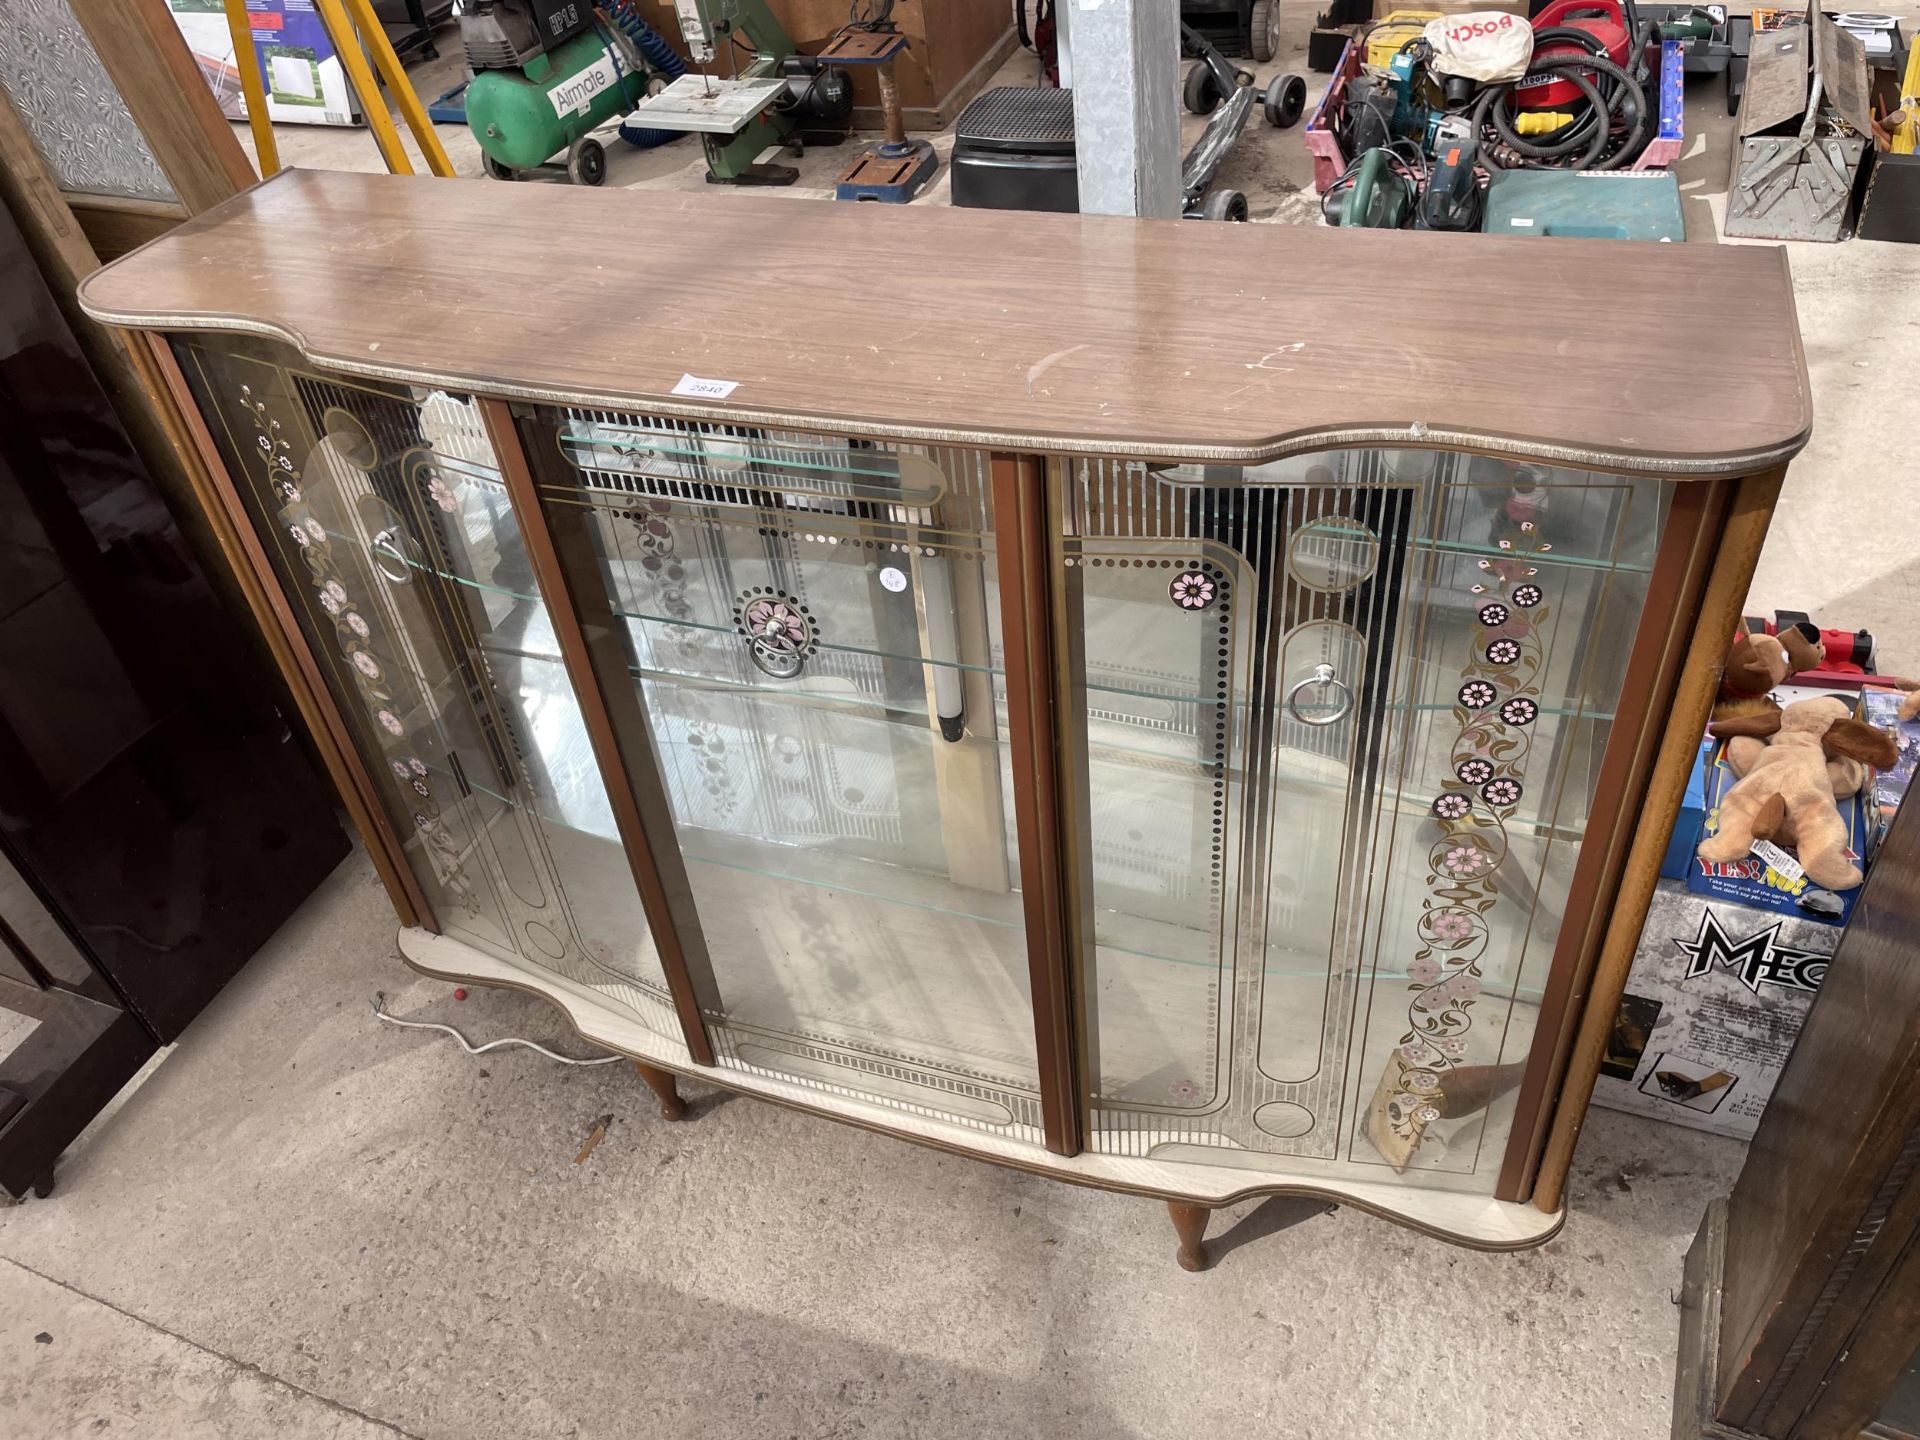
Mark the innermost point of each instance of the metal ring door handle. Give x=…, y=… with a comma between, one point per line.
x=1323, y=677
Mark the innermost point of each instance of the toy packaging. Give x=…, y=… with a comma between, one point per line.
x=1881, y=709
x=1693, y=815
x=1789, y=809
x=1713, y=1004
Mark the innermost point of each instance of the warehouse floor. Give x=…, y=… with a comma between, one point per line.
x=306, y=1224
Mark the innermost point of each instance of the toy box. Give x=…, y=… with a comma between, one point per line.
x=1881, y=708
x=1693, y=814
x=1767, y=885
x=1713, y=1004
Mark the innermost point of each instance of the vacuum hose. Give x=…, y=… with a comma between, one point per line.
x=1594, y=129
x=659, y=55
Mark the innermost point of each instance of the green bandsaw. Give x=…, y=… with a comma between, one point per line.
x=769, y=94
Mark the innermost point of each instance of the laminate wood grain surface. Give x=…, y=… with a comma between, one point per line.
x=1153, y=339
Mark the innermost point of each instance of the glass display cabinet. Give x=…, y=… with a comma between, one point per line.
x=1004, y=706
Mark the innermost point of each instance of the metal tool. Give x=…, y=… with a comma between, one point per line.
x=772, y=94
x=897, y=169
x=548, y=73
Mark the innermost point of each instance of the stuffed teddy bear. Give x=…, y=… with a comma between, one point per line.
x=1757, y=663
x=1787, y=786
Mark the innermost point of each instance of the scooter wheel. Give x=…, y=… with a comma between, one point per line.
x=587, y=162
x=1286, y=101
x=1263, y=30
x=1199, y=93
x=1224, y=205
x=495, y=170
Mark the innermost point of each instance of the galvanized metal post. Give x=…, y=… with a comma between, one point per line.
x=1126, y=105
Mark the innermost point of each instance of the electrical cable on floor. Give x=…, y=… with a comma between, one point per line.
x=380, y=1013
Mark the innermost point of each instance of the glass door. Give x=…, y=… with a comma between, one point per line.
x=1341, y=727
x=384, y=514
x=810, y=632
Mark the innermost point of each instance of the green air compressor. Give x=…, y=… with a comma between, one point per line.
x=547, y=73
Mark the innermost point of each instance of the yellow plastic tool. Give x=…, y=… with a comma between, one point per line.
x=1540, y=122
x=248, y=64
x=1907, y=132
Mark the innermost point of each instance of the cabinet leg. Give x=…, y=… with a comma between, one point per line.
x=1190, y=1224
x=664, y=1087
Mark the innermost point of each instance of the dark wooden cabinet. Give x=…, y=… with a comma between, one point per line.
x=1802, y=1303
x=158, y=819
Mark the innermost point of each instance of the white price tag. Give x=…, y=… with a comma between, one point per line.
x=1778, y=861
x=705, y=389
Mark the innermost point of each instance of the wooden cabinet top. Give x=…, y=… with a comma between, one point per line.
x=1087, y=334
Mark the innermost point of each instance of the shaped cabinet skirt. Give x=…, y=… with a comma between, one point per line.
x=1143, y=821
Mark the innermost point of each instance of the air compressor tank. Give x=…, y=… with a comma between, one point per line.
x=523, y=118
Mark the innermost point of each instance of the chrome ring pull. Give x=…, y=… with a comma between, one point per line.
x=389, y=551
x=1323, y=678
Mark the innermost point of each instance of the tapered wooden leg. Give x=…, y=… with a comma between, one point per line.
x=663, y=1085
x=1190, y=1224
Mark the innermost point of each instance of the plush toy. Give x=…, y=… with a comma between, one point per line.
x=1757, y=663
x=1787, y=786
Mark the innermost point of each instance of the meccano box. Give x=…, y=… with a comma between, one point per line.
x=1713, y=1004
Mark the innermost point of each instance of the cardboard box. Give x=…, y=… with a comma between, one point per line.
x=1714, y=1001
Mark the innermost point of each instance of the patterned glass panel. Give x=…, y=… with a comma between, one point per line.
x=812, y=626
x=1353, y=705
x=70, y=106
x=384, y=513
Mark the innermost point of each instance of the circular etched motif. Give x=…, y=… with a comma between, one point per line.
x=1333, y=553
x=1501, y=792
x=1475, y=771
x=1527, y=596
x=1519, y=711
x=1494, y=615
x=351, y=440
x=1452, y=805
x=1283, y=1118
x=1192, y=590
x=779, y=631
x=1503, y=652
x=1478, y=695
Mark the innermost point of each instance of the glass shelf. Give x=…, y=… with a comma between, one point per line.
x=736, y=465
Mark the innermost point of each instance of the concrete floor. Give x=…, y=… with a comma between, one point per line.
x=305, y=1224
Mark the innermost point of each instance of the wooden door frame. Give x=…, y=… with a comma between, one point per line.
x=1683, y=723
